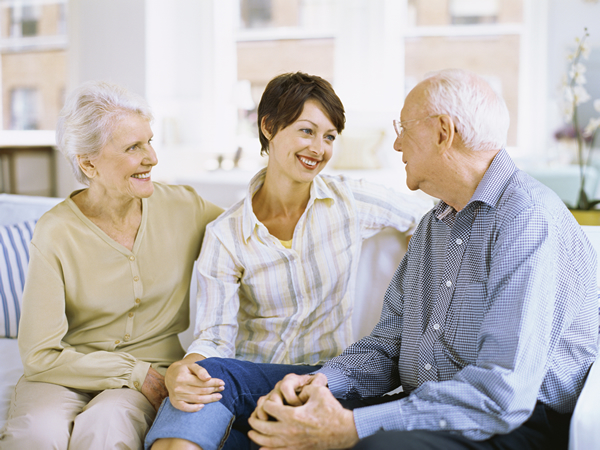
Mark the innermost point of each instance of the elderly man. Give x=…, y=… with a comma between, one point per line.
x=489, y=324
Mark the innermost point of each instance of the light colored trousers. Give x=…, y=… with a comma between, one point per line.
x=48, y=416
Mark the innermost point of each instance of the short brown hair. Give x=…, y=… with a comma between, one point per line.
x=283, y=101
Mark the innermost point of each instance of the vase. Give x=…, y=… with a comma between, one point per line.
x=587, y=217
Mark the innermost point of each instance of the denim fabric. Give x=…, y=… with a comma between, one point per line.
x=227, y=419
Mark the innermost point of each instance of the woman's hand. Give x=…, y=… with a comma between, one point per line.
x=154, y=388
x=190, y=385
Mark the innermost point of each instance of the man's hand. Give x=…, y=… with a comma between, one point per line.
x=190, y=386
x=154, y=388
x=306, y=416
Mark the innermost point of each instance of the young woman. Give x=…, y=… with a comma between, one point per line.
x=277, y=270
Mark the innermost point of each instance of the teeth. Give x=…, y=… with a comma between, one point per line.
x=141, y=175
x=308, y=162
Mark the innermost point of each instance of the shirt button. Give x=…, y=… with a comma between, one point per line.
x=448, y=283
x=427, y=366
x=130, y=314
x=137, y=300
x=443, y=423
x=459, y=241
x=136, y=278
x=436, y=326
x=117, y=342
x=136, y=384
x=126, y=337
x=132, y=258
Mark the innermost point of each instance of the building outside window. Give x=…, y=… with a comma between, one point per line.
x=33, y=69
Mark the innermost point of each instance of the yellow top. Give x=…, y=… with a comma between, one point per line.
x=286, y=244
x=96, y=315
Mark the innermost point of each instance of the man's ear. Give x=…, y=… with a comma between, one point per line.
x=87, y=166
x=266, y=130
x=445, y=130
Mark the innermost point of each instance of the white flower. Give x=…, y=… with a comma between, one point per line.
x=580, y=95
x=585, y=50
x=592, y=126
x=569, y=96
x=597, y=104
x=577, y=73
x=568, y=113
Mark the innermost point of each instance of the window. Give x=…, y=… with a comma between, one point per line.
x=256, y=13
x=484, y=36
x=468, y=12
x=24, y=20
x=24, y=109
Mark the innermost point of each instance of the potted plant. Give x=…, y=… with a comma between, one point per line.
x=575, y=95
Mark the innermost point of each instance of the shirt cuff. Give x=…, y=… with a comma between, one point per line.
x=371, y=419
x=205, y=351
x=336, y=381
x=138, y=375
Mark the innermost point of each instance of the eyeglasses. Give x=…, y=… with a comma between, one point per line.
x=399, y=124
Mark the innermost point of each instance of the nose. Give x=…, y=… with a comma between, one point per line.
x=398, y=144
x=150, y=159
x=316, y=146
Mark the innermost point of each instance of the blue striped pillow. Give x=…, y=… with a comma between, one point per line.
x=14, y=257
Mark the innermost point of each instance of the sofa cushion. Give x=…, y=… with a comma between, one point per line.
x=14, y=257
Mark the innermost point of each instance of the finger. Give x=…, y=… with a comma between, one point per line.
x=202, y=373
x=291, y=386
x=198, y=399
x=258, y=412
x=265, y=442
x=190, y=389
x=186, y=407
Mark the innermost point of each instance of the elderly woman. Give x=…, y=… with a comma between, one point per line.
x=277, y=270
x=108, y=284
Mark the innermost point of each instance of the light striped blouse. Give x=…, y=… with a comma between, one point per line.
x=260, y=301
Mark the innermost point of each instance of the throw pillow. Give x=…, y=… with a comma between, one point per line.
x=14, y=258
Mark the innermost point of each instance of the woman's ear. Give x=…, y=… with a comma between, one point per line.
x=87, y=166
x=265, y=129
x=445, y=130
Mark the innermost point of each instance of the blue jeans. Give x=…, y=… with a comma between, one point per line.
x=223, y=424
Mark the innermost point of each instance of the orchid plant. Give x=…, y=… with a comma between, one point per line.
x=575, y=95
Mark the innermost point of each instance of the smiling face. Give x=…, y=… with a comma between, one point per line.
x=301, y=150
x=122, y=168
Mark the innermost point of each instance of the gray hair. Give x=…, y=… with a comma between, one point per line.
x=89, y=117
x=479, y=113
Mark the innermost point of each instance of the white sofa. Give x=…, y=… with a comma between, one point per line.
x=380, y=256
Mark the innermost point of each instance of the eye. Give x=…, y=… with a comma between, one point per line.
x=150, y=141
x=132, y=148
x=330, y=137
x=307, y=131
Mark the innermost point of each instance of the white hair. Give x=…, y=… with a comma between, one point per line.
x=479, y=113
x=89, y=117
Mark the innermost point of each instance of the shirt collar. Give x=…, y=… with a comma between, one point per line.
x=490, y=188
x=319, y=190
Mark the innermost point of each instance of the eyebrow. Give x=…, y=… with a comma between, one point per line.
x=314, y=124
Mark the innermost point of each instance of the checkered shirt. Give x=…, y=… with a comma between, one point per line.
x=492, y=309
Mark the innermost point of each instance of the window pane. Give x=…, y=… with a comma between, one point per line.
x=463, y=12
x=23, y=109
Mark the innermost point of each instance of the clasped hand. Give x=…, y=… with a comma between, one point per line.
x=301, y=413
x=190, y=386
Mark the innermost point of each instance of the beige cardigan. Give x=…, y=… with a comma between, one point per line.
x=96, y=315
